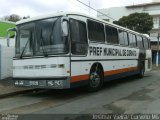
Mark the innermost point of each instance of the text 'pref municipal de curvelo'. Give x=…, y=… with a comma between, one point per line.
x=101, y=51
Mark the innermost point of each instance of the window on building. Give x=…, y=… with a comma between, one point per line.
x=156, y=22
x=111, y=35
x=96, y=31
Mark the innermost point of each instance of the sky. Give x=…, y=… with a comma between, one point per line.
x=41, y=7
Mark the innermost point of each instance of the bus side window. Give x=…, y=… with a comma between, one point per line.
x=123, y=38
x=96, y=31
x=132, y=40
x=79, y=42
x=145, y=42
x=111, y=35
x=139, y=42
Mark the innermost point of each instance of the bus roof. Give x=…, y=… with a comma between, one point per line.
x=39, y=18
x=73, y=13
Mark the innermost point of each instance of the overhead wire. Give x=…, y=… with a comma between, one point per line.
x=82, y=8
x=96, y=10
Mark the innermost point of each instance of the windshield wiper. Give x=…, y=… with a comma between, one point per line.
x=30, y=39
x=24, y=50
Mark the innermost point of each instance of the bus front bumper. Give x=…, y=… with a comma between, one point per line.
x=52, y=83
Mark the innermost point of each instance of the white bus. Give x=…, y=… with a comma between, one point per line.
x=68, y=50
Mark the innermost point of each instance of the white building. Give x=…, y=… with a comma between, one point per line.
x=6, y=55
x=152, y=8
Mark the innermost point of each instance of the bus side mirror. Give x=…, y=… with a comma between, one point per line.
x=65, y=28
x=8, y=35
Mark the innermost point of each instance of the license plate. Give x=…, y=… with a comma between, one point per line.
x=33, y=83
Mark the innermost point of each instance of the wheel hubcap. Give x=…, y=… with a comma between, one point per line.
x=95, y=79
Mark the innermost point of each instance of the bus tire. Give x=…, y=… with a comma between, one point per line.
x=95, y=79
x=142, y=70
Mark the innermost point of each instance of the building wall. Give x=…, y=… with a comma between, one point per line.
x=6, y=56
x=3, y=42
x=116, y=12
x=6, y=63
x=156, y=0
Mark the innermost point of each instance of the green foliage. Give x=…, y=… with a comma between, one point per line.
x=12, y=18
x=140, y=22
x=4, y=27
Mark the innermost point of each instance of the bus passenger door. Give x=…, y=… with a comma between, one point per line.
x=79, y=49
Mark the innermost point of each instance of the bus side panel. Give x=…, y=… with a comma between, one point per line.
x=114, y=66
x=119, y=69
x=121, y=75
x=114, y=69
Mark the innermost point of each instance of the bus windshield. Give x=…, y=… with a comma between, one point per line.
x=41, y=38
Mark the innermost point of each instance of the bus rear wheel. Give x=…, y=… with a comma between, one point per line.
x=95, y=79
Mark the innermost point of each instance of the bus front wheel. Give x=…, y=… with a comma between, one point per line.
x=95, y=79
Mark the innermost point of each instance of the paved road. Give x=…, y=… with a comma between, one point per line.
x=124, y=96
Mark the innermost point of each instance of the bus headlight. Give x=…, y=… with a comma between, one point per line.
x=16, y=83
x=21, y=82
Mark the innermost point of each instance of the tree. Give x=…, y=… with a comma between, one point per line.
x=140, y=22
x=26, y=17
x=13, y=18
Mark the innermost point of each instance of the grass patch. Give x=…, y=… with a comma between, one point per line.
x=4, y=27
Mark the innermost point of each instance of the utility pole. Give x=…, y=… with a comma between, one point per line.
x=89, y=7
x=157, y=58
